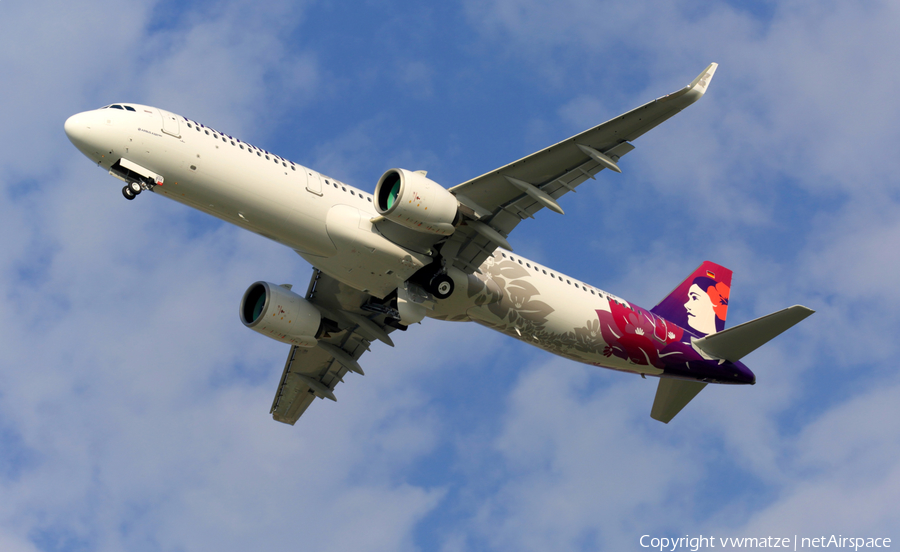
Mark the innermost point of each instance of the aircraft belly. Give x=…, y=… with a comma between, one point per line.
x=559, y=317
x=365, y=259
x=470, y=291
x=272, y=205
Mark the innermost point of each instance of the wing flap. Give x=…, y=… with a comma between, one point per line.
x=308, y=373
x=293, y=396
x=315, y=372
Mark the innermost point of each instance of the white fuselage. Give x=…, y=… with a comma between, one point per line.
x=328, y=223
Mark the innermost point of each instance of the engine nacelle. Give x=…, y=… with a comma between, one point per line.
x=281, y=314
x=414, y=201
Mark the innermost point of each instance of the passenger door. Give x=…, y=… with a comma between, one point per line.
x=170, y=124
x=313, y=182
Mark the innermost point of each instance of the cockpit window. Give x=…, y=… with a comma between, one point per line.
x=117, y=106
x=129, y=108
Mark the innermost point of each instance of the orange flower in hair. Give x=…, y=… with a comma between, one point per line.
x=718, y=294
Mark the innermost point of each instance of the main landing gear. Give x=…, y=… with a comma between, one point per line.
x=441, y=286
x=434, y=280
x=131, y=190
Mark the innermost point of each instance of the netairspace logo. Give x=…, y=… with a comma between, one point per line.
x=687, y=542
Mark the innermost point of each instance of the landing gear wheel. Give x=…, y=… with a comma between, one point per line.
x=442, y=286
x=126, y=191
x=135, y=187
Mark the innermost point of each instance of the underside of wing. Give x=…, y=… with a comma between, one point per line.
x=353, y=321
x=502, y=198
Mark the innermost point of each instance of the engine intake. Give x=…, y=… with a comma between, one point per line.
x=414, y=201
x=281, y=314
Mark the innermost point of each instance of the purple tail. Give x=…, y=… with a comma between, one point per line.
x=700, y=303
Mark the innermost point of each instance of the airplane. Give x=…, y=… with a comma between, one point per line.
x=415, y=249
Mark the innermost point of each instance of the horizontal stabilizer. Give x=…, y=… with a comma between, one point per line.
x=671, y=396
x=735, y=343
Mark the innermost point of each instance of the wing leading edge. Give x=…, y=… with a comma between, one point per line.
x=508, y=195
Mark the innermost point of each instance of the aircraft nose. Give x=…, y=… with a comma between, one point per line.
x=78, y=129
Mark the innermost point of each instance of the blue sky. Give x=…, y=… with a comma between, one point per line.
x=134, y=405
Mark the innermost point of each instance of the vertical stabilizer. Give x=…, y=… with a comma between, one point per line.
x=700, y=302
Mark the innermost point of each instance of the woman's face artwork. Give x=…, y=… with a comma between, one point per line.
x=700, y=310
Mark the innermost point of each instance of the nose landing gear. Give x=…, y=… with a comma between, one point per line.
x=131, y=190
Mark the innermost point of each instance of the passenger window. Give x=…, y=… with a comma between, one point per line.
x=504, y=255
x=592, y=292
x=207, y=132
x=544, y=271
x=351, y=193
x=568, y=282
x=258, y=154
x=528, y=265
x=293, y=168
x=242, y=146
x=224, y=140
x=370, y=199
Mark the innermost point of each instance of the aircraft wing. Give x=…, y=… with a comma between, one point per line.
x=315, y=372
x=506, y=196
